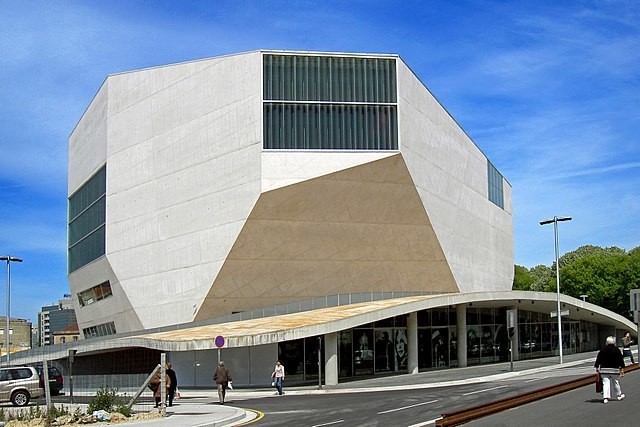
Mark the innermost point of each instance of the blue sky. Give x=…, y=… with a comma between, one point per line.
x=549, y=90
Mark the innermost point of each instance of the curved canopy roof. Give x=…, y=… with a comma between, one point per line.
x=268, y=330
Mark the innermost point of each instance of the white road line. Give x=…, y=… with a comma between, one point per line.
x=486, y=389
x=407, y=407
x=426, y=423
x=536, y=379
x=328, y=424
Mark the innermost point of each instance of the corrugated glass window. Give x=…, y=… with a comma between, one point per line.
x=333, y=127
x=496, y=191
x=86, y=227
x=326, y=102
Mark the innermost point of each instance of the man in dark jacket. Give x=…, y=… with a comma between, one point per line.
x=610, y=366
x=222, y=377
x=174, y=383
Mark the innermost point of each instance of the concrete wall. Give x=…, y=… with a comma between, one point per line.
x=249, y=366
x=450, y=173
x=182, y=146
x=186, y=170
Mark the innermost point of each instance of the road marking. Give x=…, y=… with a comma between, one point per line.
x=486, y=389
x=406, y=407
x=328, y=424
x=426, y=423
x=259, y=416
x=536, y=379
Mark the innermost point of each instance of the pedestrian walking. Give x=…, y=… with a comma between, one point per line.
x=155, y=385
x=222, y=378
x=173, y=385
x=610, y=366
x=626, y=346
x=278, y=377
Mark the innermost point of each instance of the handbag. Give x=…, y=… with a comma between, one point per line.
x=598, y=383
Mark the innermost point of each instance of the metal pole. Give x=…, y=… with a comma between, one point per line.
x=319, y=363
x=9, y=259
x=8, y=330
x=511, y=351
x=637, y=341
x=555, y=231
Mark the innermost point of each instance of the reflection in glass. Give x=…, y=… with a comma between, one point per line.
x=363, y=352
x=401, y=349
x=385, y=353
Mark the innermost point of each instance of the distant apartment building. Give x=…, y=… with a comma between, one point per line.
x=65, y=335
x=54, y=318
x=19, y=334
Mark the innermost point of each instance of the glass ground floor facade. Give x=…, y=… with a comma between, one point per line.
x=382, y=347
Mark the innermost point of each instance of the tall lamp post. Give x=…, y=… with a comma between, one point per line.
x=555, y=220
x=9, y=260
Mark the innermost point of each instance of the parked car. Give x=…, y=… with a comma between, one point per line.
x=19, y=384
x=56, y=382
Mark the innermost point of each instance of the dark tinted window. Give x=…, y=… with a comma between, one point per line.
x=20, y=374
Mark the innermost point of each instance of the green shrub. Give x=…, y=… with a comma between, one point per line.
x=123, y=409
x=105, y=399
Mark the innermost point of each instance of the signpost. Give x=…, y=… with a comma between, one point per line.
x=634, y=305
x=219, y=343
x=562, y=313
x=512, y=323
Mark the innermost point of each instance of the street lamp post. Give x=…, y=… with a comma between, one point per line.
x=9, y=260
x=555, y=220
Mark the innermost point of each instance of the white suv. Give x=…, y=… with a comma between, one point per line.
x=18, y=384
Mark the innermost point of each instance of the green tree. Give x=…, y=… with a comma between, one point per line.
x=522, y=279
x=603, y=275
x=583, y=251
x=543, y=279
x=606, y=275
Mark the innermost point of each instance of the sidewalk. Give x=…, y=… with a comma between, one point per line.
x=197, y=407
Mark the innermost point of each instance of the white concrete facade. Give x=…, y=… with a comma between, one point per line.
x=183, y=147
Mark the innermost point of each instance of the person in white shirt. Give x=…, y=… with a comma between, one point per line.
x=278, y=377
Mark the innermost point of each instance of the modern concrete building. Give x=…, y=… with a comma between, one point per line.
x=229, y=184
x=298, y=206
x=55, y=317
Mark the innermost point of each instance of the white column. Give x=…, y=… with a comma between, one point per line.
x=412, y=343
x=331, y=359
x=461, y=323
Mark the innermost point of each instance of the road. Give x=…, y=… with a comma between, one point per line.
x=415, y=407
x=577, y=407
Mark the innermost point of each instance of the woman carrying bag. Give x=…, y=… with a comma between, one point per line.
x=610, y=367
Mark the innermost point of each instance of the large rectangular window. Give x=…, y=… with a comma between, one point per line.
x=102, y=330
x=87, y=212
x=329, y=79
x=496, y=191
x=94, y=294
x=330, y=127
x=330, y=103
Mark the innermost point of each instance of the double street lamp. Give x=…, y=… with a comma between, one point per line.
x=555, y=220
x=9, y=260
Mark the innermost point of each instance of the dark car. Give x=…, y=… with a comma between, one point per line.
x=56, y=382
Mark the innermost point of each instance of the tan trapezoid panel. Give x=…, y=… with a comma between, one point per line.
x=363, y=229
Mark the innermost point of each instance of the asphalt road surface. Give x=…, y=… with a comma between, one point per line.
x=415, y=407
x=580, y=407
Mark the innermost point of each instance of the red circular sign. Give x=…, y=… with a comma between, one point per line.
x=219, y=341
